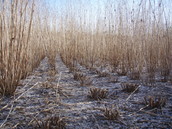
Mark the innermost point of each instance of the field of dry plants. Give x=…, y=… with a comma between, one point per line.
x=81, y=66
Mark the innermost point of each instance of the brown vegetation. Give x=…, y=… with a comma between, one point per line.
x=97, y=93
x=55, y=122
x=137, y=42
x=155, y=102
x=116, y=40
x=111, y=114
x=129, y=87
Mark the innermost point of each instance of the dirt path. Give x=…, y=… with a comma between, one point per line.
x=44, y=94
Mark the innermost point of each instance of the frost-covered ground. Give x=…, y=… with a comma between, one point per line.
x=42, y=95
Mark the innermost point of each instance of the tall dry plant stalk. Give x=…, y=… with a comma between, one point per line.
x=20, y=46
x=134, y=38
x=15, y=27
x=137, y=41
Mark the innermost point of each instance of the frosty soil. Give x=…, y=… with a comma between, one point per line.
x=42, y=95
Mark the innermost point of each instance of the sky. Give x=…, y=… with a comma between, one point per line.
x=94, y=9
x=63, y=3
x=97, y=4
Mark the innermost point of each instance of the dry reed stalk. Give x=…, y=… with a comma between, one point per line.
x=15, y=35
x=137, y=40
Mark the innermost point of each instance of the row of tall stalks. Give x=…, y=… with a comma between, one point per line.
x=131, y=37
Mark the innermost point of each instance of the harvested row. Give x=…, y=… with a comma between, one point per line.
x=104, y=64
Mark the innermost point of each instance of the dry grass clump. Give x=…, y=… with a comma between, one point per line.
x=84, y=80
x=97, y=93
x=155, y=102
x=78, y=75
x=111, y=113
x=129, y=87
x=55, y=122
